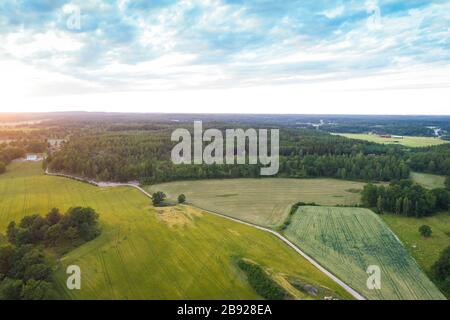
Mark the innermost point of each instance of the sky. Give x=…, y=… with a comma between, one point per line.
x=226, y=56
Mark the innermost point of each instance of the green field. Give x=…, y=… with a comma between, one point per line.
x=348, y=240
x=425, y=250
x=262, y=201
x=430, y=181
x=413, y=142
x=148, y=253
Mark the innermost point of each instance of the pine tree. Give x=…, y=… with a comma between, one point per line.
x=417, y=209
x=398, y=206
x=406, y=206
x=380, y=204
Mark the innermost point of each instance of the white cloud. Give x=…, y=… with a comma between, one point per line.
x=27, y=45
x=333, y=13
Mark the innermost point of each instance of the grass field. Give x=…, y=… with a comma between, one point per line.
x=148, y=253
x=413, y=142
x=262, y=201
x=425, y=250
x=348, y=240
x=430, y=181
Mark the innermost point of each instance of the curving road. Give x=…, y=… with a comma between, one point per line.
x=347, y=288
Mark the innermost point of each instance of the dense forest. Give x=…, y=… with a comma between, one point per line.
x=431, y=160
x=136, y=155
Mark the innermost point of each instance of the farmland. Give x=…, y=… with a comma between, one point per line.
x=261, y=201
x=425, y=251
x=153, y=253
x=430, y=181
x=413, y=142
x=348, y=240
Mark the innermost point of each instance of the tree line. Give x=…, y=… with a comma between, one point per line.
x=18, y=149
x=405, y=198
x=434, y=160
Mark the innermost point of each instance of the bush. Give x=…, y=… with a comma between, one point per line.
x=2, y=167
x=181, y=198
x=261, y=281
x=425, y=231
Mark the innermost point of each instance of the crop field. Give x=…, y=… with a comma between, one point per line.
x=262, y=201
x=413, y=142
x=430, y=181
x=349, y=240
x=153, y=253
x=425, y=251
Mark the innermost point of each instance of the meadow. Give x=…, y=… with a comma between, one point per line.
x=348, y=240
x=430, y=181
x=153, y=253
x=413, y=142
x=261, y=201
x=425, y=250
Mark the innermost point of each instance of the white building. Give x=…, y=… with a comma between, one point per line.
x=32, y=157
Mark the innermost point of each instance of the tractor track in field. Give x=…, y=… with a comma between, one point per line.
x=346, y=287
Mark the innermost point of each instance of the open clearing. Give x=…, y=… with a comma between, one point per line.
x=261, y=201
x=348, y=240
x=413, y=142
x=152, y=253
x=430, y=181
x=425, y=250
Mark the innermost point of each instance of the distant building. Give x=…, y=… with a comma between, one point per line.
x=32, y=157
x=397, y=137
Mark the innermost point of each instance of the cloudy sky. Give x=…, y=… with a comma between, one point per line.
x=259, y=56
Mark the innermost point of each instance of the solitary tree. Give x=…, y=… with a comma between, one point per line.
x=181, y=198
x=158, y=198
x=425, y=231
